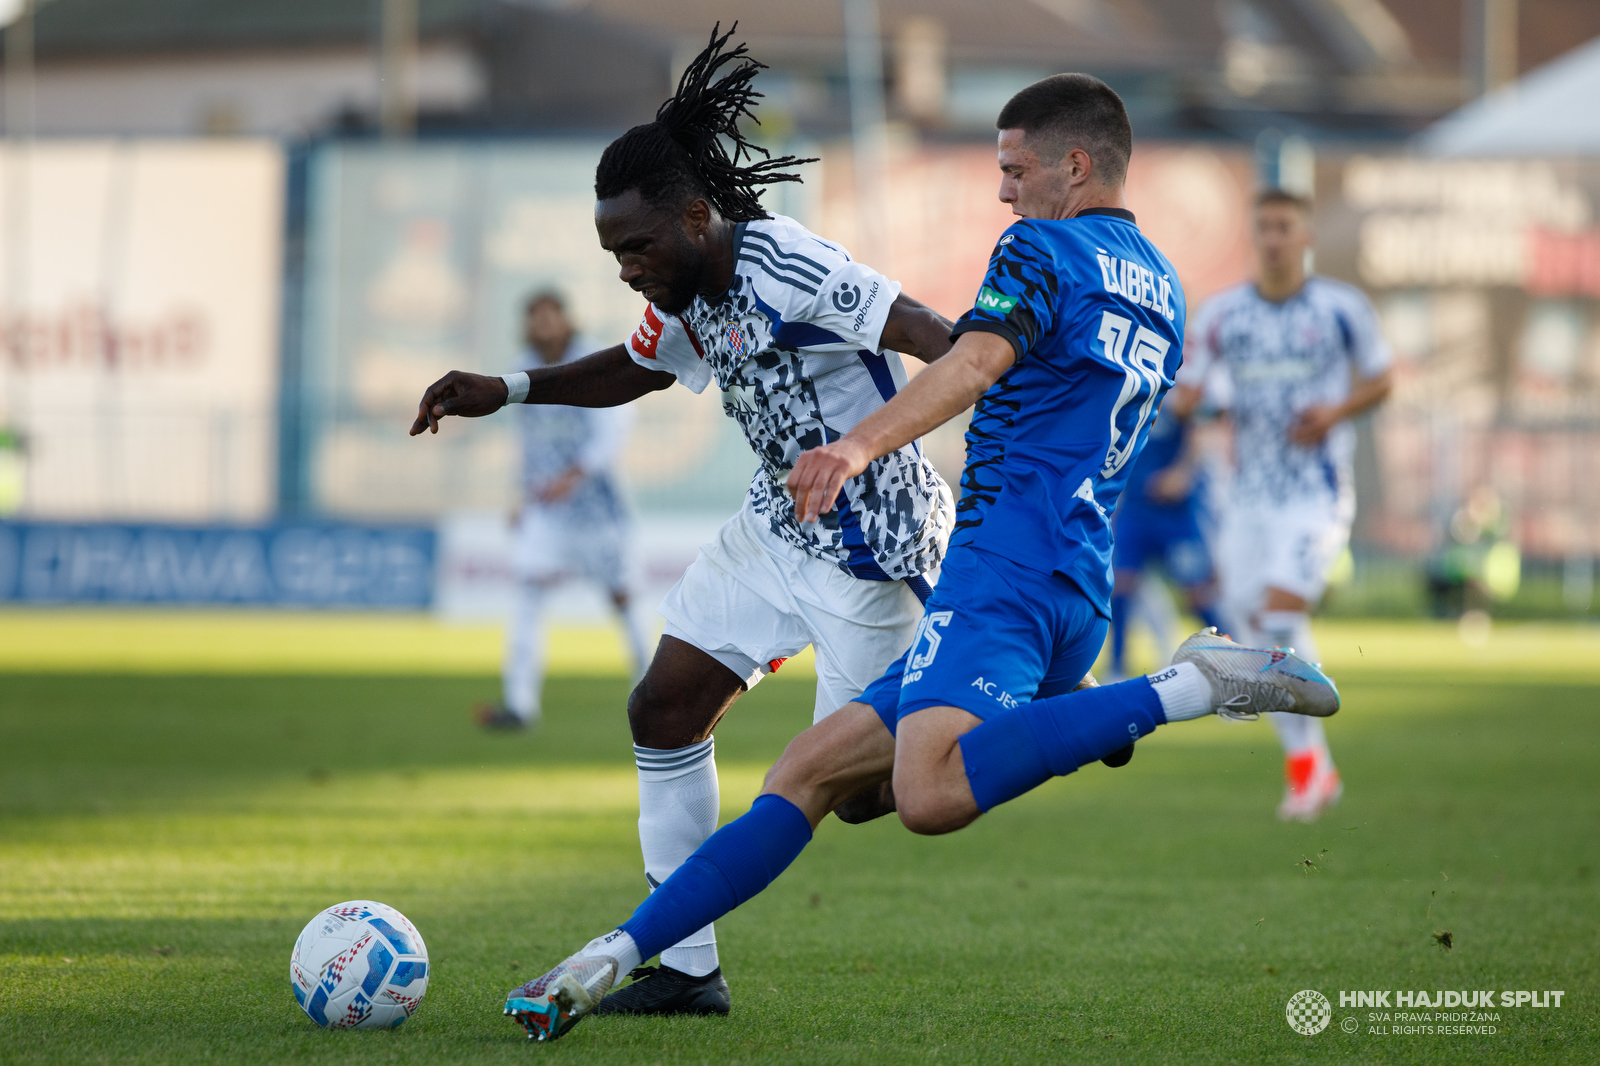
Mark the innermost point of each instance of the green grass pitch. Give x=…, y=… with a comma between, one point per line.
x=164, y=836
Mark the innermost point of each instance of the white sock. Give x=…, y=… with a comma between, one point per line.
x=678, y=807
x=522, y=671
x=1185, y=693
x=638, y=645
x=619, y=946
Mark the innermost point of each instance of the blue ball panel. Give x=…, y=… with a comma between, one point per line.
x=378, y=960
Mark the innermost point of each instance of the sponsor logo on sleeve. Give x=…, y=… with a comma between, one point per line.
x=845, y=297
x=999, y=303
x=861, y=315
x=648, y=335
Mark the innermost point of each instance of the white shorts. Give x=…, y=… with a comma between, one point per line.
x=553, y=543
x=750, y=601
x=1290, y=546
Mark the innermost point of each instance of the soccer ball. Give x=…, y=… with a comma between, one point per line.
x=359, y=965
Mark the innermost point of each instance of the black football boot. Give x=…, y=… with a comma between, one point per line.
x=663, y=990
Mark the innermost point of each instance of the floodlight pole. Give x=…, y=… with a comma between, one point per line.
x=1499, y=43
x=19, y=74
x=397, y=64
x=1490, y=50
x=864, y=63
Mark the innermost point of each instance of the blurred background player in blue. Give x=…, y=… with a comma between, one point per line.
x=572, y=520
x=1158, y=524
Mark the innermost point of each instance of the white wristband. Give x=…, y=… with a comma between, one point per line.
x=516, y=386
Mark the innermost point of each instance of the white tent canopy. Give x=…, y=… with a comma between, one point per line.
x=1552, y=111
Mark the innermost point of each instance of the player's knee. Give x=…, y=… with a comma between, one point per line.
x=928, y=814
x=792, y=771
x=639, y=706
x=803, y=768
x=666, y=713
x=651, y=716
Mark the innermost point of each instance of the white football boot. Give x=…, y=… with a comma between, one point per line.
x=1247, y=681
x=548, y=1006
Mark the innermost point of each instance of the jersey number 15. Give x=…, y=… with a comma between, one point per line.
x=1141, y=362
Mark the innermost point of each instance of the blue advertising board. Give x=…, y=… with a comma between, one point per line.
x=298, y=564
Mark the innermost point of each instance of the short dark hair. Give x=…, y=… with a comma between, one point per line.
x=545, y=296
x=1067, y=111
x=1284, y=196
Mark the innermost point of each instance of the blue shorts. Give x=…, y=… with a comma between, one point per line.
x=993, y=636
x=1166, y=535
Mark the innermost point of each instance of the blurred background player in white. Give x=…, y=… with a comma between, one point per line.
x=1158, y=525
x=572, y=522
x=1295, y=357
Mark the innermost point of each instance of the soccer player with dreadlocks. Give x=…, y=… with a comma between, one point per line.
x=1073, y=340
x=802, y=341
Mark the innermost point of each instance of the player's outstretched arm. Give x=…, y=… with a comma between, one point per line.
x=915, y=329
x=605, y=379
x=934, y=396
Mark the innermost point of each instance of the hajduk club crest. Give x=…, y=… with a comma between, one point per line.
x=736, y=340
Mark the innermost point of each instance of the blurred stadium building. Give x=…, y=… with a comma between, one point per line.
x=236, y=240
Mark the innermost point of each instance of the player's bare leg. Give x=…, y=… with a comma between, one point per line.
x=843, y=754
x=1311, y=781
x=949, y=765
x=846, y=754
x=846, y=758
x=930, y=776
x=682, y=697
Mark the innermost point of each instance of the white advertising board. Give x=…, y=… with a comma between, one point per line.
x=139, y=299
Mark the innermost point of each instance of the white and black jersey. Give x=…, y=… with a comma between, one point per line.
x=1267, y=362
x=794, y=346
x=555, y=438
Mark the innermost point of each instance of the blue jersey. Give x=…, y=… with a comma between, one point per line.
x=1096, y=316
x=1162, y=448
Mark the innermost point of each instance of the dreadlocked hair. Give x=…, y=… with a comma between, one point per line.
x=682, y=153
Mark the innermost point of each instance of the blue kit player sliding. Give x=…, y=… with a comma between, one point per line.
x=1075, y=336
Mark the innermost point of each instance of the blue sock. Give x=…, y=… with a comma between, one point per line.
x=1020, y=749
x=740, y=859
x=1119, y=632
x=1209, y=617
